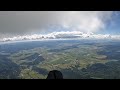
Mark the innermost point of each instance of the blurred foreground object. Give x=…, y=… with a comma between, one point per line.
x=55, y=75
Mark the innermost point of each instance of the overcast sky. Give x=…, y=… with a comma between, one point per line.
x=28, y=22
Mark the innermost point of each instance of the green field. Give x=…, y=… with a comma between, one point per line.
x=82, y=57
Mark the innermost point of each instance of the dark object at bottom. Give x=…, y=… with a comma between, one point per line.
x=55, y=75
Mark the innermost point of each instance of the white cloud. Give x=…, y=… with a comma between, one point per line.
x=62, y=35
x=85, y=21
x=26, y=22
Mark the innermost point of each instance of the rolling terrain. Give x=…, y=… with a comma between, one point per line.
x=76, y=59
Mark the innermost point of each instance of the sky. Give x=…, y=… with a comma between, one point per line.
x=13, y=23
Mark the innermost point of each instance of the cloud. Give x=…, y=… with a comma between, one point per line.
x=62, y=35
x=28, y=22
x=91, y=21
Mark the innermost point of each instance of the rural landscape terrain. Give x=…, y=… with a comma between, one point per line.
x=76, y=59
